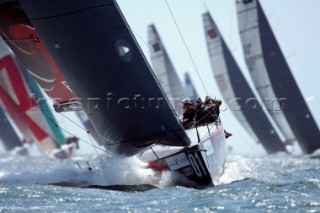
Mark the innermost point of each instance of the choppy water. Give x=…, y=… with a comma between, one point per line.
x=250, y=184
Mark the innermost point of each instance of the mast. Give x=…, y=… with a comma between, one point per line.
x=273, y=78
x=164, y=70
x=237, y=92
x=94, y=49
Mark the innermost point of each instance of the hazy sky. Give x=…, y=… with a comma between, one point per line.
x=295, y=23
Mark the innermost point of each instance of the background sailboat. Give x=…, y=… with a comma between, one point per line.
x=66, y=146
x=299, y=45
x=237, y=92
x=16, y=98
x=268, y=67
x=164, y=70
x=250, y=33
x=189, y=87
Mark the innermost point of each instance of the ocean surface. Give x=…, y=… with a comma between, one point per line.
x=279, y=183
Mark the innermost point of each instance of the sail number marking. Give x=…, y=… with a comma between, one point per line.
x=188, y=171
x=197, y=165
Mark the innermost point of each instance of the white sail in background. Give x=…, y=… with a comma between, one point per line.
x=189, y=87
x=164, y=70
x=251, y=42
x=237, y=92
x=220, y=72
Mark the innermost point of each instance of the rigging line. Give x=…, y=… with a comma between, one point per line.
x=45, y=114
x=205, y=5
x=141, y=38
x=79, y=138
x=150, y=46
x=194, y=65
x=150, y=67
x=74, y=135
x=21, y=88
x=73, y=122
x=88, y=132
x=290, y=43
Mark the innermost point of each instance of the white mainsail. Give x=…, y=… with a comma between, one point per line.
x=220, y=72
x=164, y=70
x=189, y=87
x=251, y=42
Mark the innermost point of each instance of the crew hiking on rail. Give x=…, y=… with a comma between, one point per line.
x=200, y=113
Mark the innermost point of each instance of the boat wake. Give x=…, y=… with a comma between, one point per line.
x=237, y=168
x=265, y=169
x=111, y=173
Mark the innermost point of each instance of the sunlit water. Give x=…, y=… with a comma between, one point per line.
x=250, y=184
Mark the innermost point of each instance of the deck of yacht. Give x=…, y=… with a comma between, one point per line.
x=155, y=152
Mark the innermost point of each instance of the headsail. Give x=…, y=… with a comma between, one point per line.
x=268, y=67
x=97, y=54
x=249, y=32
x=15, y=98
x=164, y=70
x=237, y=92
x=42, y=103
